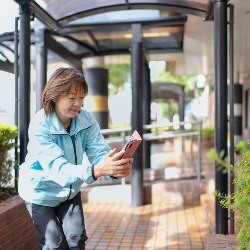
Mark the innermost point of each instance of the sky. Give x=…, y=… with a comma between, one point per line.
x=8, y=12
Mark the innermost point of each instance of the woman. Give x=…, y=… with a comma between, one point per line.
x=52, y=174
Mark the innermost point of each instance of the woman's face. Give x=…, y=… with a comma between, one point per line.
x=67, y=106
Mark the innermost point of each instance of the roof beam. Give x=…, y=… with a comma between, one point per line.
x=200, y=10
x=127, y=4
x=60, y=51
x=7, y=66
x=7, y=37
x=94, y=41
x=160, y=21
x=43, y=16
x=8, y=48
x=91, y=49
x=210, y=11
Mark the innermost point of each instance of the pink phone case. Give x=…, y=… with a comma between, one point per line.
x=132, y=144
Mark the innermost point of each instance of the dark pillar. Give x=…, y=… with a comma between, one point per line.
x=41, y=67
x=146, y=113
x=97, y=99
x=136, y=72
x=220, y=90
x=24, y=73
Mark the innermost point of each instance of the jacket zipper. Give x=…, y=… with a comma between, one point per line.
x=76, y=164
x=74, y=153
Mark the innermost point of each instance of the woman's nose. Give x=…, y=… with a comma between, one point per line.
x=78, y=103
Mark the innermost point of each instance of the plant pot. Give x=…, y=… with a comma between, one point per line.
x=207, y=144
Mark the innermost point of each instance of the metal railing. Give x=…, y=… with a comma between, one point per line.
x=161, y=135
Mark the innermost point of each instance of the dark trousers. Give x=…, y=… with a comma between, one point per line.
x=60, y=227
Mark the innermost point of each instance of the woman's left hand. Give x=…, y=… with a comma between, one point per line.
x=126, y=172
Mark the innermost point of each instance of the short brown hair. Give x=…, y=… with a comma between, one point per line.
x=60, y=84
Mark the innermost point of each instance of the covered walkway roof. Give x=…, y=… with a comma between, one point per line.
x=160, y=35
x=54, y=14
x=68, y=23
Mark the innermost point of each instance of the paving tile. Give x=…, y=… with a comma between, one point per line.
x=169, y=224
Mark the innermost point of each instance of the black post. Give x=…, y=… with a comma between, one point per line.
x=136, y=72
x=146, y=113
x=231, y=74
x=41, y=67
x=220, y=83
x=16, y=100
x=24, y=87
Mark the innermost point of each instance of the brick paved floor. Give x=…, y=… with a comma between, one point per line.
x=154, y=226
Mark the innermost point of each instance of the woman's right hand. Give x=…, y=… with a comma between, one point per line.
x=111, y=166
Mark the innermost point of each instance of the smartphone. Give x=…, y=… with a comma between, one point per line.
x=132, y=144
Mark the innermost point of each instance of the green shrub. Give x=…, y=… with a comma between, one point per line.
x=7, y=136
x=127, y=133
x=207, y=133
x=241, y=197
x=242, y=146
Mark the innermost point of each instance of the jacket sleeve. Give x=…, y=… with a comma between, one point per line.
x=51, y=157
x=96, y=146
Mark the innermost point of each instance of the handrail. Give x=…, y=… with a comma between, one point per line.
x=168, y=125
x=150, y=126
x=162, y=135
x=154, y=136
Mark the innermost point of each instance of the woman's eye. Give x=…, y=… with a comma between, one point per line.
x=71, y=98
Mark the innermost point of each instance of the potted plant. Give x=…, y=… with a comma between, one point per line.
x=207, y=137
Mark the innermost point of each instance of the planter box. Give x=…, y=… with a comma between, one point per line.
x=17, y=230
x=207, y=144
x=220, y=241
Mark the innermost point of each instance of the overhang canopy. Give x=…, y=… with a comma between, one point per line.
x=159, y=35
x=57, y=13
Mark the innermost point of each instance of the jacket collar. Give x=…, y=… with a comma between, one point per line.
x=56, y=126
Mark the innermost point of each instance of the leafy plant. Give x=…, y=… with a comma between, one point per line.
x=207, y=133
x=7, y=136
x=241, y=198
x=242, y=146
x=118, y=75
x=188, y=81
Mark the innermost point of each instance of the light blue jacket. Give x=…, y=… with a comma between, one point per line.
x=53, y=170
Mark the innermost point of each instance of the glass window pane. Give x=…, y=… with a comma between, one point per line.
x=113, y=39
x=184, y=3
x=70, y=45
x=83, y=37
x=163, y=37
x=60, y=9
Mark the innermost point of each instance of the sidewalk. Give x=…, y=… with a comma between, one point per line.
x=172, y=218
x=170, y=222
